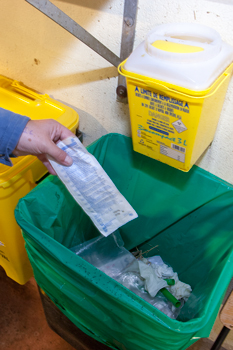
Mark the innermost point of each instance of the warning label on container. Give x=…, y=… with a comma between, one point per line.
x=179, y=126
x=161, y=124
x=163, y=117
x=171, y=153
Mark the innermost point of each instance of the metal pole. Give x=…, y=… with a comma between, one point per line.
x=58, y=16
x=220, y=339
x=127, y=41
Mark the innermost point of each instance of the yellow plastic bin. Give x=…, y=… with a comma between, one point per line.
x=18, y=180
x=176, y=82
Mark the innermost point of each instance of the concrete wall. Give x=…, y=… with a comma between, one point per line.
x=36, y=51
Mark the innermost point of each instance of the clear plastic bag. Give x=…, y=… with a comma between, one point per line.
x=106, y=253
x=92, y=188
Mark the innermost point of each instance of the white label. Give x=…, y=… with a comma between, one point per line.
x=92, y=188
x=171, y=153
x=179, y=126
x=2, y=244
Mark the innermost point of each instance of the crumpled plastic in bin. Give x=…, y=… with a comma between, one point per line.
x=139, y=275
x=188, y=216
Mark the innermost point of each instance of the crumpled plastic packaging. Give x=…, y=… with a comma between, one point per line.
x=154, y=274
x=144, y=277
x=180, y=290
x=107, y=254
x=153, y=282
x=134, y=282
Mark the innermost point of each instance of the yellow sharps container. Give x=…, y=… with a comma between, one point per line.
x=18, y=180
x=176, y=82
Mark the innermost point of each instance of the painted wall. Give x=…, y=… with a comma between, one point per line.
x=36, y=51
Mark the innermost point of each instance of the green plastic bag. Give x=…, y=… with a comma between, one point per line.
x=187, y=216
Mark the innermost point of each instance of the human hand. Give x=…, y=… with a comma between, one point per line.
x=39, y=138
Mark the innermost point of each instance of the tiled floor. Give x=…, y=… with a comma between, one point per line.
x=23, y=325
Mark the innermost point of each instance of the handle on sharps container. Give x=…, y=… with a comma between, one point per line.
x=165, y=88
x=27, y=92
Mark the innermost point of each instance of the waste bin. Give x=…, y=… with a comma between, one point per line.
x=186, y=217
x=18, y=180
x=177, y=79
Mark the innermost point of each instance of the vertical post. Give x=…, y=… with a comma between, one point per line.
x=220, y=339
x=127, y=42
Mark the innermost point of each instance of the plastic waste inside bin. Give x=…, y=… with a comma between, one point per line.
x=157, y=284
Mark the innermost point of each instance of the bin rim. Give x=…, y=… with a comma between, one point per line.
x=167, y=87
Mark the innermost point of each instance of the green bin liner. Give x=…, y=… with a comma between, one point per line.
x=188, y=216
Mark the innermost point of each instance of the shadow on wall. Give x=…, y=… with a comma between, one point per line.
x=52, y=45
x=88, y=125
x=75, y=79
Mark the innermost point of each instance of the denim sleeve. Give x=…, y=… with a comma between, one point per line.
x=11, y=128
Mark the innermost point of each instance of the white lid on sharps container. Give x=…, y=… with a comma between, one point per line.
x=192, y=56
